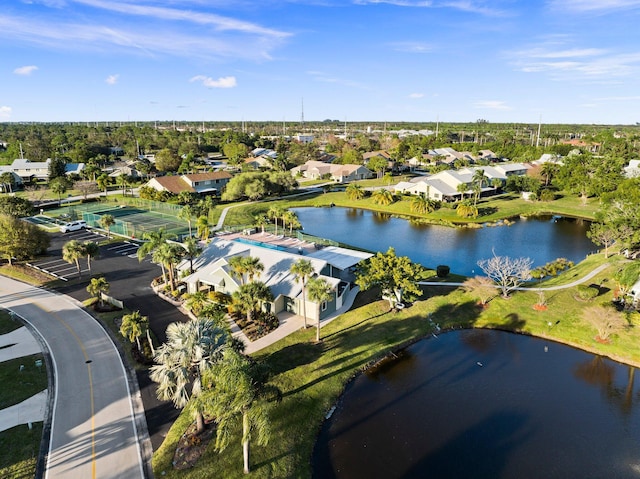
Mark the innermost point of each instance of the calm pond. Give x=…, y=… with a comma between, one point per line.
x=542, y=239
x=485, y=404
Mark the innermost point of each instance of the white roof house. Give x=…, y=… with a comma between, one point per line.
x=338, y=173
x=212, y=271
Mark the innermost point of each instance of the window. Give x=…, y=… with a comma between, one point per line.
x=323, y=306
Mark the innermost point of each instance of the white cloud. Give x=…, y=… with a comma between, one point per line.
x=222, y=82
x=416, y=95
x=112, y=79
x=5, y=112
x=26, y=70
x=594, y=6
x=467, y=6
x=411, y=47
x=492, y=105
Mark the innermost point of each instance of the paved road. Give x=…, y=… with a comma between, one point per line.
x=93, y=426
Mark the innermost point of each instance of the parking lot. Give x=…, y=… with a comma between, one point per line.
x=59, y=268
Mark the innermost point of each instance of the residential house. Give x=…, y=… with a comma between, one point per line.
x=201, y=183
x=29, y=171
x=333, y=264
x=338, y=173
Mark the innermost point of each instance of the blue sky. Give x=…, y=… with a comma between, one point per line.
x=564, y=61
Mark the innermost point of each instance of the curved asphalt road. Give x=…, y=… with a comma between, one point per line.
x=93, y=424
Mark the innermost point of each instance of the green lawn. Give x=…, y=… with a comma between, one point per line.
x=312, y=376
x=19, y=446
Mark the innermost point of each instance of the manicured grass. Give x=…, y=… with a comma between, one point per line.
x=20, y=385
x=7, y=324
x=19, y=449
x=26, y=274
x=312, y=376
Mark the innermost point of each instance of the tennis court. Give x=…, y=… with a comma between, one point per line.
x=130, y=221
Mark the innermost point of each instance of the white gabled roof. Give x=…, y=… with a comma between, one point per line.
x=341, y=258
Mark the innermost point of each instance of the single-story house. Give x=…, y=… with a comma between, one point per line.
x=213, y=273
x=201, y=183
x=338, y=173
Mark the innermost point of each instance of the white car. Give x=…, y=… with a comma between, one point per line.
x=73, y=226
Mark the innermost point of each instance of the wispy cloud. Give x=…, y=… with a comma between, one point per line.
x=26, y=70
x=594, y=6
x=411, y=47
x=416, y=95
x=112, y=79
x=5, y=112
x=575, y=64
x=492, y=105
x=222, y=82
x=467, y=6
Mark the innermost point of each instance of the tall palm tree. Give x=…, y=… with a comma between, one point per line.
x=238, y=393
x=91, y=250
x=302, y=270
x=96, y=287
x=169, y=254
x=291, y=219
x=152, y=241
x=192, y=249
x=241, y=265
x=123, y=181
x=191, y=349
x=196, y=302
x=274, y=213
x=72, y=251
x=421, y=204
x=548, y=170
x=133, y=326
x=252, y=267
x=107, y=221
x=249, y=297
x=319, y=291
x=203, y=227
x=103, y=183
x=187, y=213
x=478, y=182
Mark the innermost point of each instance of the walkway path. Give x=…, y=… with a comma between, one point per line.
x=94, y=422
x=584, y=279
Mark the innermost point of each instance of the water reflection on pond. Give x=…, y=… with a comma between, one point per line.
x=542, y=239
x=485, y=404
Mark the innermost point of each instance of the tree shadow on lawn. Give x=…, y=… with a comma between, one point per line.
x=291, y=357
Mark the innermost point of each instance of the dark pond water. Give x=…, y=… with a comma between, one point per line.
x=485, y=404
x=542, y=239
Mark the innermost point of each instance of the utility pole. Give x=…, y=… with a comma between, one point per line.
x=539, y=125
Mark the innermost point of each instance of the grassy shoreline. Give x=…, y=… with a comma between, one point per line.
x=312, y=376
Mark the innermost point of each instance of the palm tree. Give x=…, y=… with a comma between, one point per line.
x=423, y=205
x=123, y=181
x=252, y=267
x=238, y=393
x=262, y=221
x=91, y=250
x=191, y=349
x=72, y=251
x=462, y=188
x=103, y=183
x=548, y=170
x=274, y=213
x=107, y=221
x=96, y=287
x=319, y=291
x=168, y=255
x=196, y=302
x=203, y=226
x=467, y=210
x=152, y=241
x=192, y=248
x=133, y=326
x=241, y=265
x=291, y=219
x=249, y=297
x=478, y=181
x=302, y=270
x=187, y=213
x=354, y=192
x=382, y=197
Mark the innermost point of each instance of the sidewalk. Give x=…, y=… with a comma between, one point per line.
x=290, y=323
x=14, y=345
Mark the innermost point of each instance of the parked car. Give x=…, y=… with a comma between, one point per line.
x=73, y=226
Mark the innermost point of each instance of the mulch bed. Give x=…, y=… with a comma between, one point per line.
x=192, y=446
